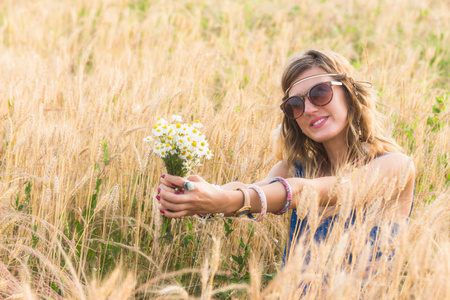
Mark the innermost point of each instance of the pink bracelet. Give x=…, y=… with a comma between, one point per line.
x=288, y=194
x=262, y=197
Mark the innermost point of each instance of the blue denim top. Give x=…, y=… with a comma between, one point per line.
x=327, y=224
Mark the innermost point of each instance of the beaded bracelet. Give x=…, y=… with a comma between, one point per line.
x=288, y=194
x=262, y=197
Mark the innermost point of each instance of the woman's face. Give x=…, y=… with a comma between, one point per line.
x=322, y=124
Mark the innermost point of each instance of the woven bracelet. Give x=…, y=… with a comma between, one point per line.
x=288, y=194
x=262, y=197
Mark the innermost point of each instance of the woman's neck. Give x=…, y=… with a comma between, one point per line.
x=337, y=153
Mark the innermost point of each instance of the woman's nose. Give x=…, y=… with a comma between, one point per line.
x=309, y=107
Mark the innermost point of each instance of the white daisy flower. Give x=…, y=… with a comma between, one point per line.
x=184, y=129
x=158, y=148
x=184, y=154
x=203, y=143
x=158, y=131
x=209, y=154
x=161, y=121
x=197, y=124
x=176, y=118
x=147, y=139
x=201, y=151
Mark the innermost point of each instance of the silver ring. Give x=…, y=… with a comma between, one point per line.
x=189, y=186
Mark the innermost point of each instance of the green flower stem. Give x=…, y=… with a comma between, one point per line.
x=174, y=165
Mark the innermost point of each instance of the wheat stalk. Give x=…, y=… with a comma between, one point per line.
x=191, y=57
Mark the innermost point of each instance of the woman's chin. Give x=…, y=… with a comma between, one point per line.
x=320, y=138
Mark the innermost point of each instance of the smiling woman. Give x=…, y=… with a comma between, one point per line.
x=330, y=139
x=328, y=116
x=353, y=132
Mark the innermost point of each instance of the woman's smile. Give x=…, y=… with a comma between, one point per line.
x=318, y=122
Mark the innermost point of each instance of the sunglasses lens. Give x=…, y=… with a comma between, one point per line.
x=321, y=94
x=294, y=107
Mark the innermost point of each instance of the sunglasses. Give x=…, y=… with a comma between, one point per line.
x=321, y=94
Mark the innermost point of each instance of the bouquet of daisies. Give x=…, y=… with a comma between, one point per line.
x=180, y=145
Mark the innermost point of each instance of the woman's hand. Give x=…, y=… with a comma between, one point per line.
x=204, y=199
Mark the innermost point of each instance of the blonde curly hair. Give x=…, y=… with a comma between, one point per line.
x=296, y=148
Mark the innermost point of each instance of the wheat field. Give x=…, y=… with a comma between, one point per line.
x=82, y=82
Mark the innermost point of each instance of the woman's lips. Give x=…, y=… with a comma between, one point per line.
x=318, y=122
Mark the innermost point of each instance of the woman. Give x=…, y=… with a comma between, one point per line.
x=330, y=136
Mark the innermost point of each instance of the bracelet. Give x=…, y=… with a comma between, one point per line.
x=288, y=194
x=262, y=197
x=245, y=209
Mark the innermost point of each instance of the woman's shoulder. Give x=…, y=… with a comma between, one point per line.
x=394, y=163
x=392, y=156
x=280, y=169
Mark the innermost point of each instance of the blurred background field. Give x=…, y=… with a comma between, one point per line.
x=82, y=82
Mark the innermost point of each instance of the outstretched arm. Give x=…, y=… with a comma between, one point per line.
x=207, y=199
x=281, y=169
x=390, y=176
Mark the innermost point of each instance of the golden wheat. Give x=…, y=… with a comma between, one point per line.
x=84, y=81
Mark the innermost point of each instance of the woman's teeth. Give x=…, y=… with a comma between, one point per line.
x=315, y=123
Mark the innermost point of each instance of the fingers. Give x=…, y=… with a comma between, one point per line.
x=172, y=181
x=176, y=191
x=177, y=214
x=195, y=178
x=164, y=208
x=172, y=199
x=176, y=181
x=175, y=198
x=173, y=202
x=169, y=206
